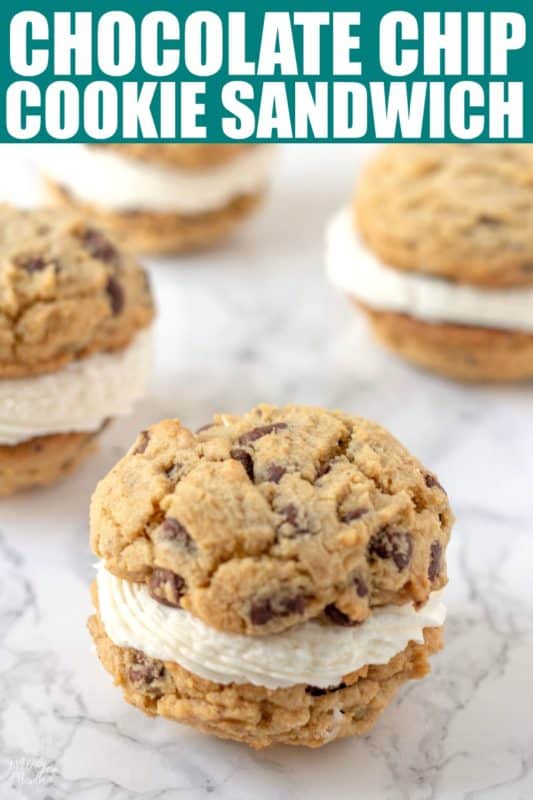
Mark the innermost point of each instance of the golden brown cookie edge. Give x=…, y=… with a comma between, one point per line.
x=464, y=353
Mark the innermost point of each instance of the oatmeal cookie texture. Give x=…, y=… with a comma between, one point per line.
x=65, y=292
x=257, y=523
x=298, y=715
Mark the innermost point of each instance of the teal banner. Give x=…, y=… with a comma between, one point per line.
x=302, y=71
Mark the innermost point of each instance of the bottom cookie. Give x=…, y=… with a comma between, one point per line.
x=160, y=233
x=42, y=461
x=299, y=715
x=461, y=352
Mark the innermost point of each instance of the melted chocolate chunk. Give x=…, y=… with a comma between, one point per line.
x=173, y=472
x=356, y=513
x=290, y=512
x=33, y=264
x=263, y=430
x=435, y=555
x=145, y=670
x=489, y=220
x=315, y=691
x=166, y=587
x=339, y=617
x=323, y=469
x=100, y=247
x=173, y=531
x=396, y=545
x=267, y=609
x=275, y=473
x=432, y=482
x=115, y=293
x=246, y=460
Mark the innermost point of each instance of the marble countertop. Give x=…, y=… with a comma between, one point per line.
x=256, y=321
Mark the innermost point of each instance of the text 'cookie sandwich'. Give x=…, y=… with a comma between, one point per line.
x=74, y=344
x=272, y=578
x=159, y=198
x=438, y=252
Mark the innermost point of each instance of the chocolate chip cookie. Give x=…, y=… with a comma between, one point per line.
x=271, y=578
x=73, y=310
x=437, y=251
x=258, y=523
x=298, y=715
x=159, y=198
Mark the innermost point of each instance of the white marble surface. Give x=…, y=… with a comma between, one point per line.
x=256, y=321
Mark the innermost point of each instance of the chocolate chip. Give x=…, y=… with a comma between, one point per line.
x=396, y=545
x=172, y=472
x=144, y=671
x=173, y=531
x=356, y=513
x=290, y=512
x=263, y=430
x=360, y=587
x=315, y=691
x=431, y=481
x=166, y=587
x=339, y=617
x=267, y=609
x=35, y=264
x=115, y=292
x=435, y=554
x=275, y=473
x=489, y=220
x=246, y=460
x=100, y=247
x=142, y=443
x=323, y=469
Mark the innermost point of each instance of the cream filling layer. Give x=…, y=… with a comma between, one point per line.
x=77, y=398
x=353, y=268
x=312, y=653
x=107, y=179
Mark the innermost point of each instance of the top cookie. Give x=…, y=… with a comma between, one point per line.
x=256, y=523
x=180, y=156
x=462, y=212
x=65, y=291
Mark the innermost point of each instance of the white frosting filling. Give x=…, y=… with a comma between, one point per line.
x=312, y=653
x=108, y=179
x=79, y=397
x=352, y=267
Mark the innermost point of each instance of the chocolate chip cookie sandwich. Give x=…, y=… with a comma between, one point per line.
x=74, y=342
x=437, y=251
x=159, y=198
x=273, y=577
